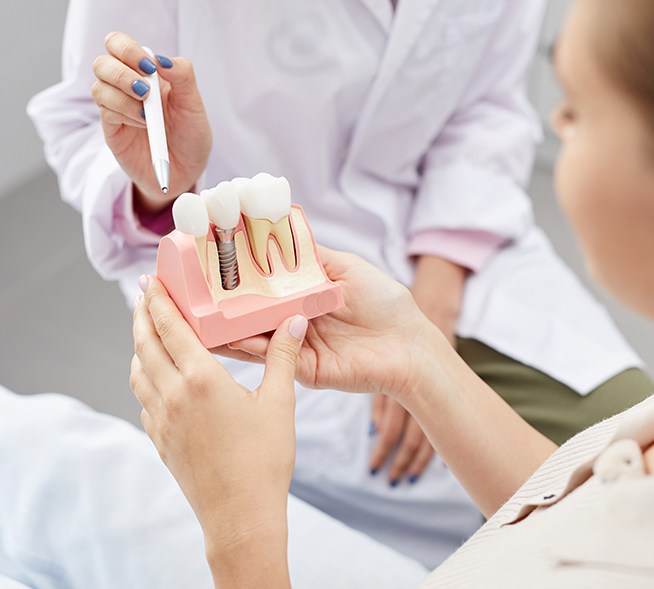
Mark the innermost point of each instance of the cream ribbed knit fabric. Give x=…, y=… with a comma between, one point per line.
x=579, y=532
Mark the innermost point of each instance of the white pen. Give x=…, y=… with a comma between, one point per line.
x=154, y=120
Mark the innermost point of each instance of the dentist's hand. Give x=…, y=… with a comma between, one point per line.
x=120, y=90
x=231, y=450
x=373, y=344
x=398, y=439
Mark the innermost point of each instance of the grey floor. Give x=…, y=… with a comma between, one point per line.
x=63, y=329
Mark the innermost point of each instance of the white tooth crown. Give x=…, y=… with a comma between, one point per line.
x=190, y=215
x=223, y=205
x=239, y=182
x=265, y=197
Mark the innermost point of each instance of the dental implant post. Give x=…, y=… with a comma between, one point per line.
x=227, y=257
x=224, y=210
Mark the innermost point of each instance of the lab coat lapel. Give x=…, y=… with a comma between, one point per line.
x=382, y=11
x=409, y=21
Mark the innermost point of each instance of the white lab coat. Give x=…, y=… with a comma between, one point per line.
x=386, y=125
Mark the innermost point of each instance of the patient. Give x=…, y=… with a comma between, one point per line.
x=578, y=515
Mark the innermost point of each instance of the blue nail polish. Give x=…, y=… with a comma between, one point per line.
x=140, y=87
x=147, y=66
x=413, y=479
x=373, y=471
x=395, y=483
x=372, y=430
x=164, y=61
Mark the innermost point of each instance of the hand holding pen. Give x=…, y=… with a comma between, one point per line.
x=123, y=84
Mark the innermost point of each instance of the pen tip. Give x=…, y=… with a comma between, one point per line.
x=164, y=189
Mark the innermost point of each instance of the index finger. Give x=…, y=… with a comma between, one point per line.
x=175, y=333
x=125, y=49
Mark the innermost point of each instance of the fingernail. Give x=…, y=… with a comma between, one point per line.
x=143, y=112
x=143, y=282
x=373, y=471
x=147, y=66
x=298, y=327
x=395, y=483
x=413, y=479
x=372, y=430
x=164, y=61
x=140, y=87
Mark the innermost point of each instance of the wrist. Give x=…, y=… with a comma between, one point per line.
x=148, y=202
x=428, y=349
x=438, y=291
x=251, y=554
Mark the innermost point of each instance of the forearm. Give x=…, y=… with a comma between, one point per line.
x=487, y=445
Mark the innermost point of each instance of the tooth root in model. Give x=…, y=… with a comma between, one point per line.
x=258, y=233
x=282, y=232
x=224, y=210
x=190, y=216
x=266, y=206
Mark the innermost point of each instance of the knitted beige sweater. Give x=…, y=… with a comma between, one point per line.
x=567, y=527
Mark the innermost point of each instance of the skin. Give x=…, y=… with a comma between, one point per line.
x=605, y=172
x=438, y=286
x=607, y=193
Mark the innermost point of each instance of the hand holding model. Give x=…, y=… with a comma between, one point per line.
x=231, y=450
x=120, y=90
x=368, y=346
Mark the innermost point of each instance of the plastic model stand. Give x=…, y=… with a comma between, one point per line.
x=260, y=303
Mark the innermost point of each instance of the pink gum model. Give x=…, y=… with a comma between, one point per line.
x=232, y=319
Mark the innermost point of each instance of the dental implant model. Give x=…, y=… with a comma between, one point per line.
x=224, y=210
x=190, y=216
x=266, y=207
x=263, y=269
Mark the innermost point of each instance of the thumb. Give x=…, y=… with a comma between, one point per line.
x=283, y=350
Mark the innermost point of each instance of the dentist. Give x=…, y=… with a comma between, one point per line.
x=405, y=132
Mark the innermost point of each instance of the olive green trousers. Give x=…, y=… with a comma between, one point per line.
x=551, y=407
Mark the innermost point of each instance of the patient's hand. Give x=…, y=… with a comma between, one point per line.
x=370, y=345
x=231, y=450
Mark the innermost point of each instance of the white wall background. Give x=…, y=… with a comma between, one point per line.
x=31, y=45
